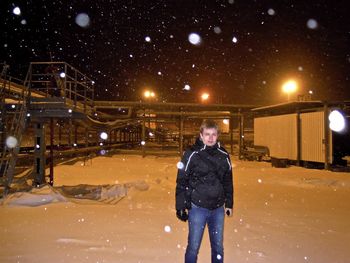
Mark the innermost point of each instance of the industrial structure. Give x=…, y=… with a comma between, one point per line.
x=53, y=114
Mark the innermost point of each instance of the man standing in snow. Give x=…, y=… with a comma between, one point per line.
x=204, y=192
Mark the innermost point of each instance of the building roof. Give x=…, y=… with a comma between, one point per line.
x=295, y=106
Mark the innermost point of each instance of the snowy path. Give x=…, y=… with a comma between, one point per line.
x=281, y=215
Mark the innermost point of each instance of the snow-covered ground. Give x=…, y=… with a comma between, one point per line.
x=280, y=215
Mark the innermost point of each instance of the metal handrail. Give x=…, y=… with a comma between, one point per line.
x=74, y=85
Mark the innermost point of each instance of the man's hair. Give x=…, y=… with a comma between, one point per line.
x=209, y=124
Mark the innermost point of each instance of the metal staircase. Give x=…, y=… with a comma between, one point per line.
x=14, y=126
x=3, y=85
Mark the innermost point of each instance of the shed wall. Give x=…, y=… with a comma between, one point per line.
x=312, y=137
x=279, y=134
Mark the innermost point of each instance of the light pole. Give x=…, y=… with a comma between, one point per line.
x=149, y=95
x=289, y=87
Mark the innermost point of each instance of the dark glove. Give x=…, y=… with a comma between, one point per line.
x=228, y=211
x=182, y=215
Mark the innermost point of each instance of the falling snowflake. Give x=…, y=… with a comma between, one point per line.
x=82, y=20
x=180, y=165
x=312, y=23
x=194, y=39
x=16, y=11
x=11, y=142
x=167, y=229
x=336, y=121
x=103, y=135
x=217, y=30
x=187, y=87
x=271, y=12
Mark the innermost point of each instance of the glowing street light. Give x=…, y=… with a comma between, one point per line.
x=205, y=96
x=289, y=87
x=148, y=94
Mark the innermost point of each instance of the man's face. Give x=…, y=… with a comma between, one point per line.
x=209, y=136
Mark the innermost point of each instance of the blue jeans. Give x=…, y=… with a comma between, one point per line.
x=198, y=217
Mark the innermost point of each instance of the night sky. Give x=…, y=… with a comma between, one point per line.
x=248, y=48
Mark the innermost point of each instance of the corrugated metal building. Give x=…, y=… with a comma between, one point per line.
x=300, y=131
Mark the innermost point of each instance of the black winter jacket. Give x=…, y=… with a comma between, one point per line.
x=204, y=177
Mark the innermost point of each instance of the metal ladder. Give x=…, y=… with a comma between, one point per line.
x=3, y=85
x=14, y=131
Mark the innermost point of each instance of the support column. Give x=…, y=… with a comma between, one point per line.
x=241, y=135
x=52, y=136
x=76, y=135
x=97, y=138
x=70, y=133
x=181, y=135
x=326, y=137
x=298, y=139
x=60, y=134
x=39, y=154
x=231, y=133
x=143, y=138
x=86, y=137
